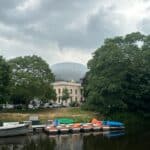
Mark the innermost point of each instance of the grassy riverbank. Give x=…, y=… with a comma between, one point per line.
x=79, y=115
x=46, y=114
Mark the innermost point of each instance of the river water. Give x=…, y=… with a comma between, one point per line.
x=133, y=139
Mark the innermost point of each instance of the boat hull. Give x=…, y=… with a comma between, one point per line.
x=14, y=130
x=113, y=123
x=64, y=130
x=97, y=128
x=75, y=130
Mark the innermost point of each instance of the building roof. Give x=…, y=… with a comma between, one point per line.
x=64, y=83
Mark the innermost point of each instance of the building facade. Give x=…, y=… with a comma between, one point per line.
x=75, y=91
x=69, y=75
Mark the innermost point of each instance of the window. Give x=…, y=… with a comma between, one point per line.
x=76, y=91
x=70, y=91
x=59, y=98
x=71, y=99
x=76, y=99
x=81, y=91
x=59, y=91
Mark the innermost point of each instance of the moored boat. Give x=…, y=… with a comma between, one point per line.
x=51, y=129
x=63, y=129
x=105, y=127
x=75, y=128
x=63, y=121
x=97, y=128
x=117, y=128
x=97, y=125
x=57, y=126
x=14, y=130
x=113, y=123
x=86, y=127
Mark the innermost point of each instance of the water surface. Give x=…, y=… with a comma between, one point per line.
x=134, y=139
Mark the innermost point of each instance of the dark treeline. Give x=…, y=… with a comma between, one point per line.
x=23, y=79
x=119, y=76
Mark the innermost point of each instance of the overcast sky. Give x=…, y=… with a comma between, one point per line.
x=67, y=30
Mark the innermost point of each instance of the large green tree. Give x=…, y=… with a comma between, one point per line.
x=31, y=78
x=4, y=80
x=119, y=75
x=65, y=94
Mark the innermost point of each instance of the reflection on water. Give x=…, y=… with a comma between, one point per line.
x=118, y=141
x=114, y=134
x=32, y=142
x=69, y=142
x=82, y=141
x=40, y=144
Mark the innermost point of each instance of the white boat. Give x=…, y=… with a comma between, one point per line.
x=14, y=130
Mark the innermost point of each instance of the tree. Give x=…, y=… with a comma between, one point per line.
x=4, y=80
x=50, y=94
x=31, y=78
x=65, y=94
x=119, y=75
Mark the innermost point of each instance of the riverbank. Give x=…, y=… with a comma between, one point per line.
x=77, y=114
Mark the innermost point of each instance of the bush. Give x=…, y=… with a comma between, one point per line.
x=1, y=107
x=74, y=104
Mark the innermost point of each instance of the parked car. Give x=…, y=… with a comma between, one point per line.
x=47, y=105
x=37, y=106
x=9, y=106
x=18, y=106
x=57, y=105
x=30, y=106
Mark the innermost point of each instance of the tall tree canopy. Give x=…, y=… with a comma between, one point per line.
x=65, y=94
x=119, y=75
x=31, y=78
x=4, y=80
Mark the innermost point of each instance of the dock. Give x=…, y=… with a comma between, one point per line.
x=62, y=129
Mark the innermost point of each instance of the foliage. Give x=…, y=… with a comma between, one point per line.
x=4, y=80
x=119, y=75
x=65, y=94
x=74, y=104
x=49, y=94
x=31, y=78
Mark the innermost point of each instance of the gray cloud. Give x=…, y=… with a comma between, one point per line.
x=145, y=25
x=49, y=22
x=54, y=25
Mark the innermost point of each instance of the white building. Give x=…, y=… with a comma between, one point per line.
x=69, y=76
x=75, y=92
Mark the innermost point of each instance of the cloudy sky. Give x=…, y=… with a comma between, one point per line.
x=67, y=30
